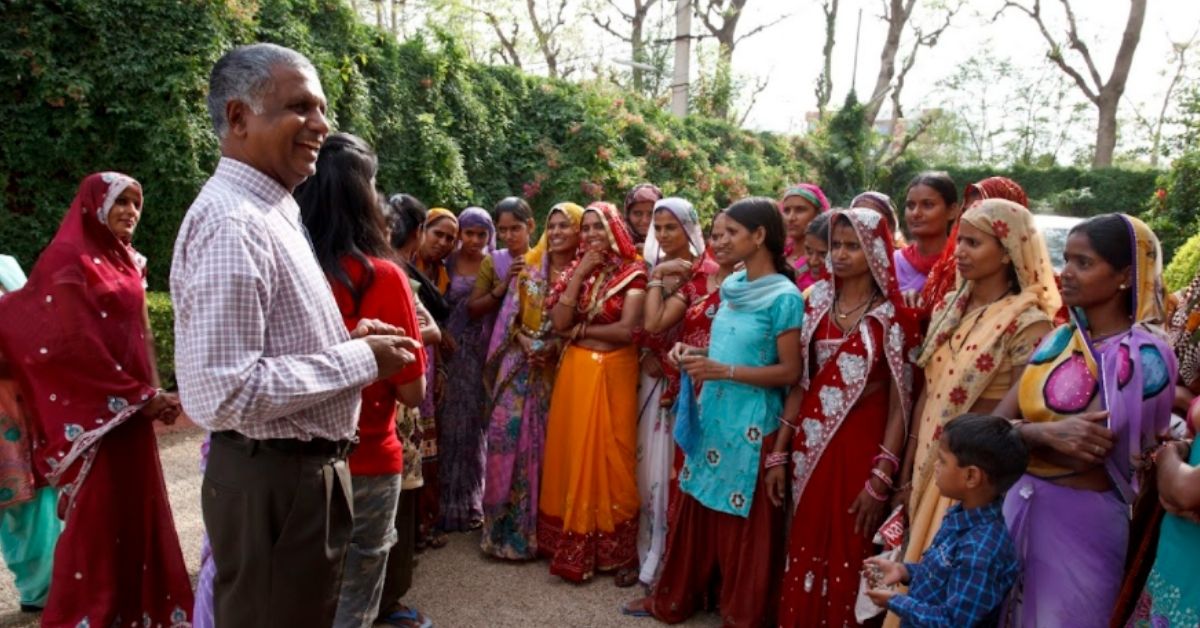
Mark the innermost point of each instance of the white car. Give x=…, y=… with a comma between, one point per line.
x=1055, y=230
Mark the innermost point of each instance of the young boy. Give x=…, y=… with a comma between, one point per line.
x=965, y=574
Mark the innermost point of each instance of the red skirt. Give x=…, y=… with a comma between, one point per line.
x=745, y=554
x=118, y=556
x=825, y=556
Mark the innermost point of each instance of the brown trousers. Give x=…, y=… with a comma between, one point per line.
x=279, y=525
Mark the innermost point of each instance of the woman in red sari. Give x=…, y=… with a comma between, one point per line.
x=848, y=436
x=588, y=510
x=79, y=344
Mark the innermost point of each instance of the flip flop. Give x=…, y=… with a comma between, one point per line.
x=407, y=618
x=627, y=609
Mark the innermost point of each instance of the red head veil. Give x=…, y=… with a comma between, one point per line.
x=75, y=336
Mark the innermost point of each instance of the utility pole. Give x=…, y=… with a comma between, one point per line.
x=683, y=57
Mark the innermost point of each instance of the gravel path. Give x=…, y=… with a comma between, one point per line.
x=455, y=586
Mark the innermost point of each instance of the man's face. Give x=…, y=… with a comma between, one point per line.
x=283, y=140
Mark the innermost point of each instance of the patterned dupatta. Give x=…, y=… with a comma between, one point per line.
x=943, y=274
x=1134, y=372
x=598, y=296
x=888, y=332
x=983, y=342
x=1185, y=333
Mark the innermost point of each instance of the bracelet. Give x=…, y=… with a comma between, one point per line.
x=776, y=459
x=887, y=453
x=789, y=424
x=657, y=283
x=730, y=377
x=583, y=330
x=567, y=302
x=883, y=477
x=887, y=456
x=871, y=491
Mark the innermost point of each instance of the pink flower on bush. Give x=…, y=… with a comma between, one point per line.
x=531, y=189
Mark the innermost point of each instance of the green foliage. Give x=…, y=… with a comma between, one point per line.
x=1061, y=190
x=121, y=86
x=842, y=145
x=162, y=326
x=1174, y=212
x=1184, y=264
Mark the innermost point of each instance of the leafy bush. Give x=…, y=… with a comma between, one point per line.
x=121, y=86
x=1184, y=264
x=1063, y=190
x=1174, y=211
x=162, y=325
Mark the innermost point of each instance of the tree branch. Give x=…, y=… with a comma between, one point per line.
x=758, y=29
x=1078, y=45
x=1055, y=53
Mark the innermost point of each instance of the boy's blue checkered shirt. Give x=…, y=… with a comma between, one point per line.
x=965, y=574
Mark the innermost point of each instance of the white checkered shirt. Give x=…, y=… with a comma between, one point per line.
x=260, y=346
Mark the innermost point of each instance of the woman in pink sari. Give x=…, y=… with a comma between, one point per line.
x=78, y=341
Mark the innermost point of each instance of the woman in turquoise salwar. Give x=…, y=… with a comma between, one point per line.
x=29, y=526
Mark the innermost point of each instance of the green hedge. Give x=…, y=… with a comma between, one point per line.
x=108, y=85
x=162, y=325
x=1184, y=264
x=1062, y=190
x=90, y=85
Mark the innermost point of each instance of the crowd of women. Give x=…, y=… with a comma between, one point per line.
x=726, y=413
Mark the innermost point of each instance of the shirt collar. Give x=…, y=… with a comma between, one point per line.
x=959, y=518
x=267, y=190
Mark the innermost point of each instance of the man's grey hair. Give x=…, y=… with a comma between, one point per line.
x=244, y=74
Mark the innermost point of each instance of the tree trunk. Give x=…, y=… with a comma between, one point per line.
x=897, y=16
x=825, y=81
x=637, y=49
x=1106, y=130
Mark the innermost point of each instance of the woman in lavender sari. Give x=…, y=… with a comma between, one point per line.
x=461, y=417
x=521, y=363
x=1095, y=394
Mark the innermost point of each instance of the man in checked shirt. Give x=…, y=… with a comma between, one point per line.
x=262, y=355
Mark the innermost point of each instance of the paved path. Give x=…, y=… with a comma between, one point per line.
x=456, y=586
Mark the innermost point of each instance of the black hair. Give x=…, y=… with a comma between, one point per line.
x=940, y=181
x=407, y=216
x=515, y=205
x=1109, y=236
x=340, y=209
x=990, y=443
x=759, y=211
x=819, y=227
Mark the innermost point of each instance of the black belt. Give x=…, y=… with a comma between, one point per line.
x=317, y=447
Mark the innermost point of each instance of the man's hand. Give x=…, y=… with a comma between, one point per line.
x=881, y=596
x=890, y=572
x=392, y=353
x=372, y=327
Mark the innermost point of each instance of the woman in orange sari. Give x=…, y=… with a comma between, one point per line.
x=588, y=512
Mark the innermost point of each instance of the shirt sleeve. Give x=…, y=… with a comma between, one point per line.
x=974, y=589
x=397, y=307
x=788, y=313
x=224, y=379
x=486, y=276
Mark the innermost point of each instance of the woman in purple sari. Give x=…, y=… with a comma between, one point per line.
x=1096, y=393
x=521, y=364
x=461, y=414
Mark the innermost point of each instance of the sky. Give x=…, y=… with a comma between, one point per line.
x=789, y=53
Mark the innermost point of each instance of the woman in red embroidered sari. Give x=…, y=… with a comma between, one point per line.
x=588, y=511
x=846, y=439
x=77, y=339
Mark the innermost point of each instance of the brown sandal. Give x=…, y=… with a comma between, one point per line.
x=627, y=577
